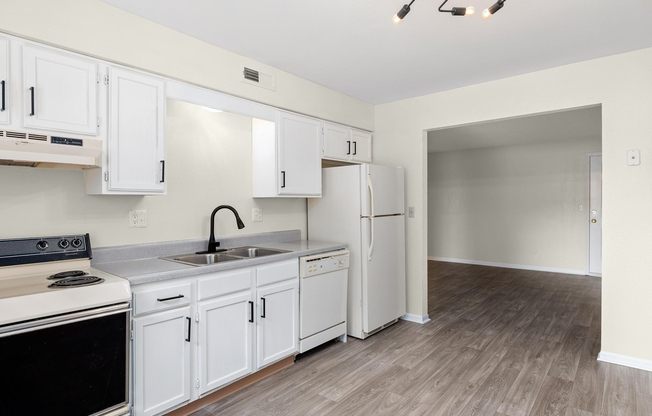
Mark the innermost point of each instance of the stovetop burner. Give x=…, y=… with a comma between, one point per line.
x=69, y=273
x=76, y=281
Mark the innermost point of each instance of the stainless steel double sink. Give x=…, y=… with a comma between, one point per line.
x=232, y=254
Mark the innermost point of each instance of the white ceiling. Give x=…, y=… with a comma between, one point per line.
x=566, y=125
x=353, y=46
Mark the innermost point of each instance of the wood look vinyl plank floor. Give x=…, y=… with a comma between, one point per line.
x=501, y=342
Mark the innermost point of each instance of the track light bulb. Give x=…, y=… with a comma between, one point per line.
x=470, y=11
x=398, y=17
x=487, y=13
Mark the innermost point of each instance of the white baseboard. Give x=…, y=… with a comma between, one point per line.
x=509, y=265
x=416, y=318
x=624, y=360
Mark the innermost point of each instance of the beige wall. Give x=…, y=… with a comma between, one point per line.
x=623, y=85
x=94, y=28
x=209, y=163
x=511, y=204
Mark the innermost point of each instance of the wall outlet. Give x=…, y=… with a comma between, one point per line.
x=256, y=215
x=138, y=219
x=411, y=212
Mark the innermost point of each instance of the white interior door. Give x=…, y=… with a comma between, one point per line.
x=4, y=81
x=226, y=340
x=337, y=142
x=161, y=361
x=595, y=215
x=278, y=323
x=383, y=270
x=60, y=91
x=386, y=183
x=136, y=132
x=299, y=155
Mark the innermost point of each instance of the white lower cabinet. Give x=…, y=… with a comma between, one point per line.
x=193, y=336
x=278, y=322
x=161, y=361
x=226, y=340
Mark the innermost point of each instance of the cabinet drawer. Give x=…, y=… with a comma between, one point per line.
x=277, y=272
x=160, y=299
x=218, y=284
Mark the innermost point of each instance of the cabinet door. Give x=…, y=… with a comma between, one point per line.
x=161, y=361
x=225, y=340
x=361, y=146
x=299, y=140
x=136, y=132
x=278, y=319
x=60, y=91
x=4, y=81
x=337, y=142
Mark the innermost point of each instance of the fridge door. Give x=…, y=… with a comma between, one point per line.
x=386, y=184
x=383, y=271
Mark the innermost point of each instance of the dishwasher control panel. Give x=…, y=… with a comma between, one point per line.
x=324, y=263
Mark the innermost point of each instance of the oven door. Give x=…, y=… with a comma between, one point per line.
x=69, y=365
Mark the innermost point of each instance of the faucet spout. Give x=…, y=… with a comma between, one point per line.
x=212, y=244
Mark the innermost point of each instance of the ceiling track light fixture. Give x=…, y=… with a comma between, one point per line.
x=455, y=11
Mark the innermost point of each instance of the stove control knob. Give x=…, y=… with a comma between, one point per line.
x=42, y=245
x=76, y=243
x=64, y=244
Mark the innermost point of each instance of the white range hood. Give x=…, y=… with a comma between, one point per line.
x=46, y=151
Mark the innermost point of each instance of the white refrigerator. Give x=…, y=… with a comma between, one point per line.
x=364, y=206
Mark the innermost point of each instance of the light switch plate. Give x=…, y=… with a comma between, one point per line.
x=633, y=157
x=411, y=212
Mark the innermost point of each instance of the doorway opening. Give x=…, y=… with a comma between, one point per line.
x=520, y=193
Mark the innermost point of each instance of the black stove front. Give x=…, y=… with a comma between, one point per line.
x=70, y=365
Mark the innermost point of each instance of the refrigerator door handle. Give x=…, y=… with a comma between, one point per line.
x=371, y=193
x=371, y=244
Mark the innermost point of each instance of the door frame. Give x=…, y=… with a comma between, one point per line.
x=587, y=264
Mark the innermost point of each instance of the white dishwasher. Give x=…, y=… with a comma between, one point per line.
x=322, y=298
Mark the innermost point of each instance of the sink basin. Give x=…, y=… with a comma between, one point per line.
x=203, y=259
x=232, y=254
x=251, y=252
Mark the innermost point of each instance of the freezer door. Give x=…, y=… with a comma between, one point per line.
x=383, y=271
x=386, y=184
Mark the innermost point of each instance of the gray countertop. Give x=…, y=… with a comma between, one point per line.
x=114, y=260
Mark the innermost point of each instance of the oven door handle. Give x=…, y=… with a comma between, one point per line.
x=63, y=320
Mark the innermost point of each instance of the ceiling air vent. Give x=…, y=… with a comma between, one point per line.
x=41, y=137
x=260, y=79
x=16, y=135
x=251, y=74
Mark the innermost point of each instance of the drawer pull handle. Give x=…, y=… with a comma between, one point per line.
x=189, y=326
x=263, y=313
x=251, y=311
x=172, y=298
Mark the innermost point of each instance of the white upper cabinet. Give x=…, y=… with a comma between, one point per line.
x=337, y=142
x=361, y=142
x=4, y=80
x=346, y=144
x=60, y=91
x=299, y=156
x=286, y=157
x=136, y=150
